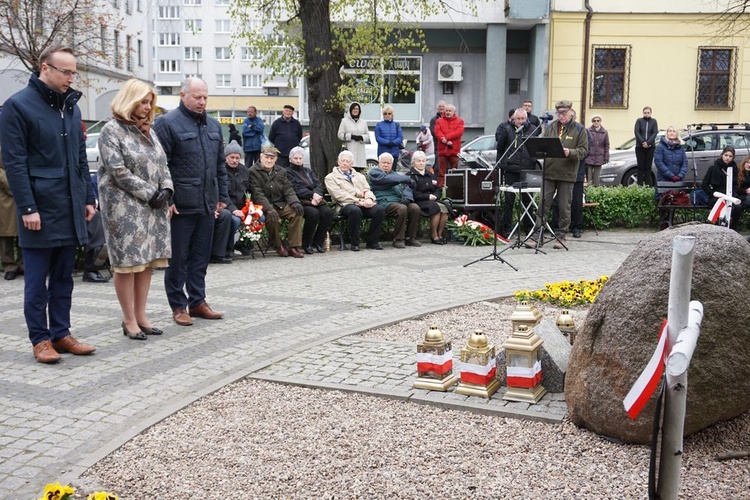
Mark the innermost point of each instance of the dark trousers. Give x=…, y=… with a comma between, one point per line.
x=318, y=220
x=282, y=161
x=407, y=219
x=645, y=158
x=95, y=231
x=576, y=209
x=354, y=215
x=192, y=236
x=224, y=232
x=48, y=291
x=251, y=157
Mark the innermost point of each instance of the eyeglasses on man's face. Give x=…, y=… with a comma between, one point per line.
x=65, y=72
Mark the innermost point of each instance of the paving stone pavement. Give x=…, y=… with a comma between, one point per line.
x=57, y=420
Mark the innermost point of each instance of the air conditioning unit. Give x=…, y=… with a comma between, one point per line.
x=449, y=71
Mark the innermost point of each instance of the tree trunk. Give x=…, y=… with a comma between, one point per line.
x=323, y=80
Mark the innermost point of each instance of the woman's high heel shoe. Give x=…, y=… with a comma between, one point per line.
x=151, y=331
x=135, y=336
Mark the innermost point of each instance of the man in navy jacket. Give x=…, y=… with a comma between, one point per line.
x=44, y=154
x=195, y=154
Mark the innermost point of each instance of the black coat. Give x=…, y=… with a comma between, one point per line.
x=518, y=157
x=195, y=155
x=305, y=182
x=716, y=178
x=238, y=185
x=423, y=188
x=44, y=154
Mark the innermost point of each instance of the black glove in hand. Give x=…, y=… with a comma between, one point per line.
x=298, y=208
x=160, y=198
x=356, y=137
x=391, y=144
x=272, y=216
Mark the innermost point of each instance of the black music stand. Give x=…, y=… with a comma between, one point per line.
x=542, y=148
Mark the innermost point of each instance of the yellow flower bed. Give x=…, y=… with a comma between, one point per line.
x=565, y=293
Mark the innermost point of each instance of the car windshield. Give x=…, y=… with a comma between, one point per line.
x=92, y=141
x=482, y=143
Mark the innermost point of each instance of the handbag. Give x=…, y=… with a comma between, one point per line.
x=677, y=198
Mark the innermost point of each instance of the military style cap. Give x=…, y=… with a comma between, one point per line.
x=564, y=104
x=269, y=151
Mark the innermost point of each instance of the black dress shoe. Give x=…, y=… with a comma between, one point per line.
x=135, y=336
x=220, y=260
x=320, y=248
x=309, y=250
x=151, y=331
x=10, y=275
x=94, y=277
x=376, y=246
x=355, y=248
x=438, y=241
x=577, y=233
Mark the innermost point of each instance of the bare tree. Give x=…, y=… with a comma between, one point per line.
x=30, y=26
x=297, y=38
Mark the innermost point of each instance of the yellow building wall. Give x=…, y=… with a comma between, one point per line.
x=663, y=67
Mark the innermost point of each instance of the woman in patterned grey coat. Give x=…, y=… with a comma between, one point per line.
x=134, y=191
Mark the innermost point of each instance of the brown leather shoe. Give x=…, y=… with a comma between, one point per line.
x=205, y=312
x=294, y=252
x=71, y=345
x=282, y=251
x=181, y=317
x=45, y=353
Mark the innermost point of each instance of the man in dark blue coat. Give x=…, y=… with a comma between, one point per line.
x=44, y=154
x=195, y=154
x=286, y=132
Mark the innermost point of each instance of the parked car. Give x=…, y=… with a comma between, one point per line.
x=702, y=147
x=484, y=145
x=92, y=152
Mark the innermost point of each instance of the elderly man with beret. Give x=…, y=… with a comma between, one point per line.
x=270, y=187
x=560, y=173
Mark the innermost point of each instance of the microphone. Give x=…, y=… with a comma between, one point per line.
x=546, y=117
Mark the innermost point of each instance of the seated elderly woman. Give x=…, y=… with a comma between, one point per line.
x=309, y=189
x=425, y=195
x=351, y=193
x=271, y=188
x=393, y=192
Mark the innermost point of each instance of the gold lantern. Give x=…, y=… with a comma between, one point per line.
x=525, y=314
x=478, y=368
x=524, y=366
x=434, y=362
x=566, y=325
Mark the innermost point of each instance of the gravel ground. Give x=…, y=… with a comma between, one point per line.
x=262, y=440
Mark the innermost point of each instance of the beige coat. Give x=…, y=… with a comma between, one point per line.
x=345, y=193
x=133, y=167
x=7, y=207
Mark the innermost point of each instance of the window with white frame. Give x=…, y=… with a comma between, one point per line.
x=169, y=39
x=169, y=12
x=118, y=57
x=129, y=53
x=193, y=53
x=223, y=26
x=192, y=2
x=250, y=54
x=169, y=66
x=716, y=78
x=194, y=75
x=194, y=25
x=140, y=53
x=252, y=81
x=139, y=5
x=221, y=2
x=223, y=80
x=128, y=6
x=223, y=54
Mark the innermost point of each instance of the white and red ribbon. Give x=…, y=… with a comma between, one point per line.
x=436, y=363
x=525, y=377
x=718, y=211
x=477, y=374
x=649, y=378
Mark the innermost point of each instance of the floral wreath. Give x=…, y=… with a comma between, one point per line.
x=251, y=226
x=474, y=232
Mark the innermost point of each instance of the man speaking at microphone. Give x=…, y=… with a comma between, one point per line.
x=509, y=138
x=560, y=173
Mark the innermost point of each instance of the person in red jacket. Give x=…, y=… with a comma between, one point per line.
x=448, y=131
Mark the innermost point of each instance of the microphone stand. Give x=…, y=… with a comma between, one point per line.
x=494, y=255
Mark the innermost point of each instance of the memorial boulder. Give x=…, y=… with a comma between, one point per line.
x=620, y=335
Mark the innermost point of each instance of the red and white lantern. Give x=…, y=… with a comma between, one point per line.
x=524, y=366
x=434, y=362
x=478, y=368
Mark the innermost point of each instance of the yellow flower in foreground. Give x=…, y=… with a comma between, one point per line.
x=57, y=492
x=102, y=495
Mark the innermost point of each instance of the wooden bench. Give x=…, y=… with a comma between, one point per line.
x=670, y=210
